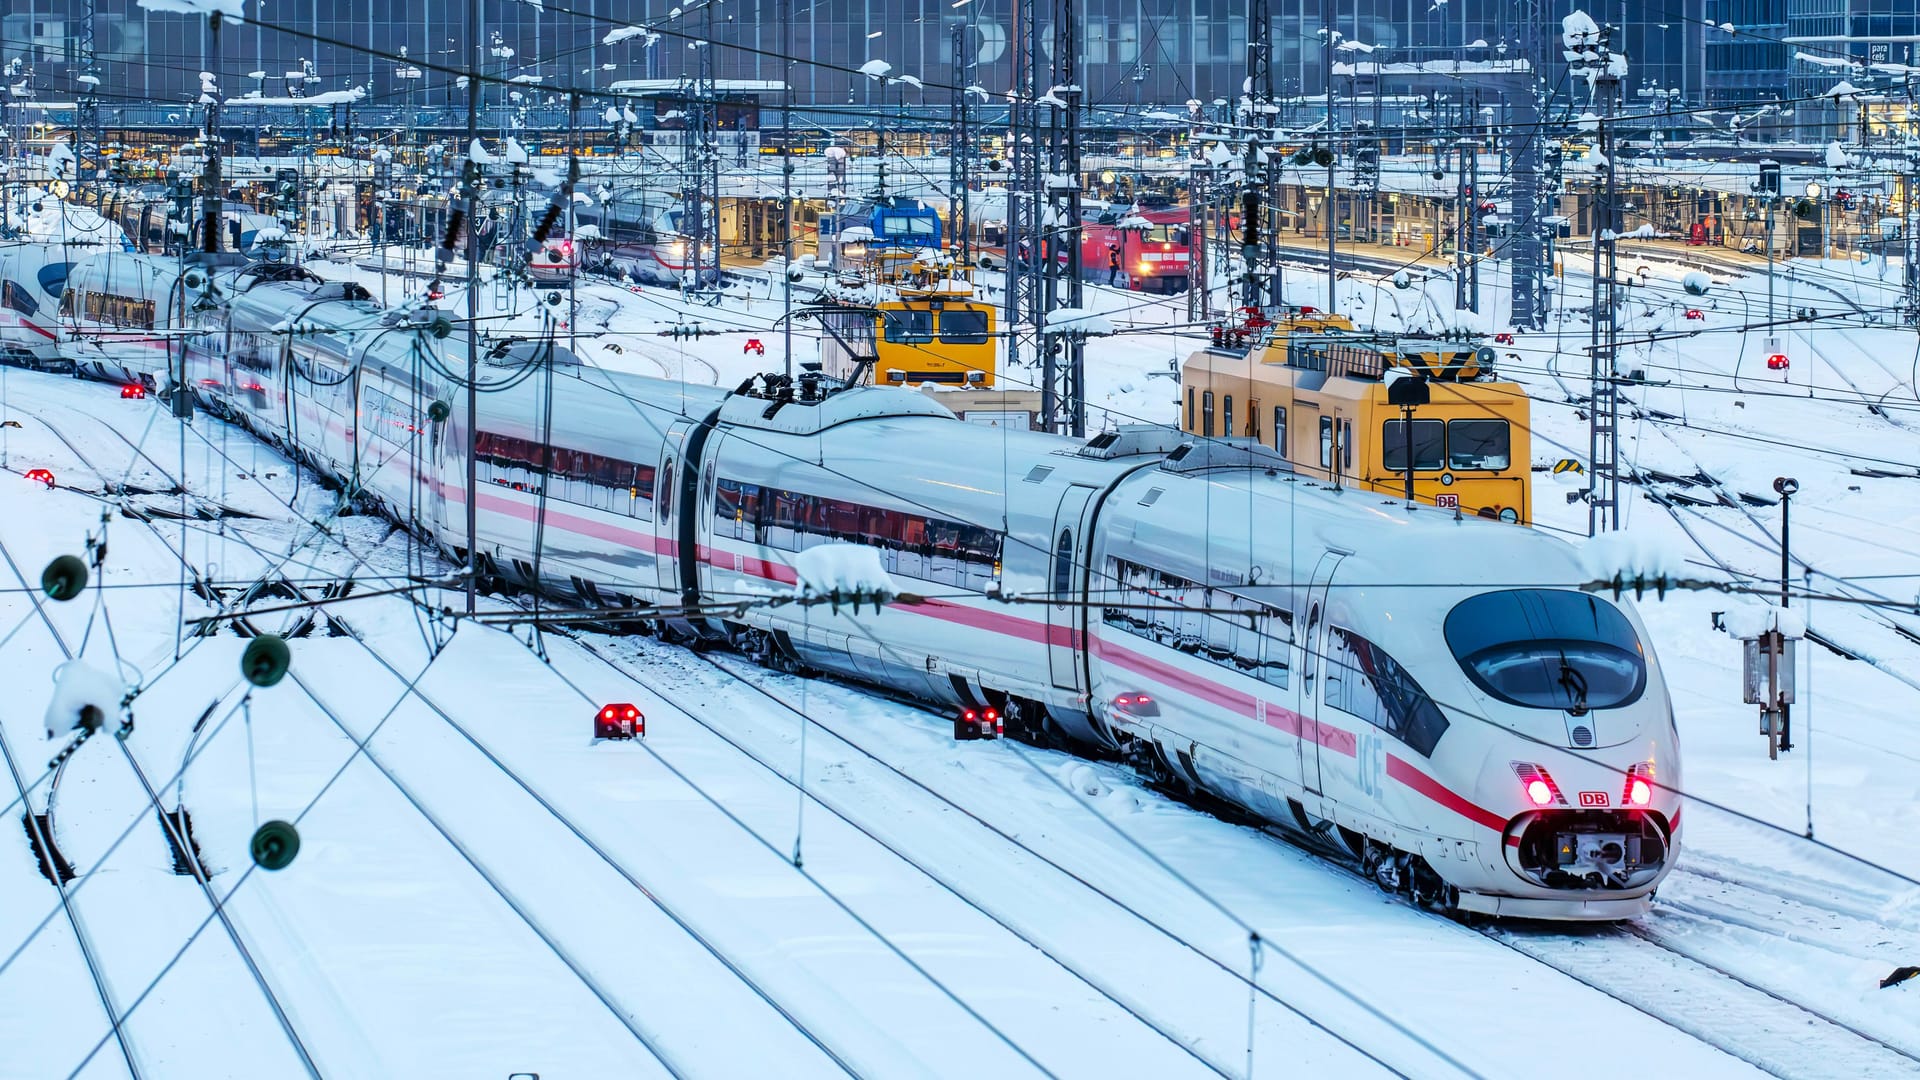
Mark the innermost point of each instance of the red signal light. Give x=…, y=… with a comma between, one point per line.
x=42, y=476
x=619, y=721
x=133, y=391
x=1777, y=362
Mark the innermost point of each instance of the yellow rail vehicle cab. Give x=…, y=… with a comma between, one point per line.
x=1322, y=399
x=934, y=339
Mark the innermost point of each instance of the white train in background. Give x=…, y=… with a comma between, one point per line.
x=1473, y=732
x=638, y=232
x=123, y=316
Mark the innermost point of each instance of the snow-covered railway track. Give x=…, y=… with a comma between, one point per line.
x=975, y=843
x=968, y=886
x=1648, y=971
x=40, y=828
x=1883, y=908
x=463, y=846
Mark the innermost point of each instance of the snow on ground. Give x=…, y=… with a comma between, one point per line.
x=504, y=895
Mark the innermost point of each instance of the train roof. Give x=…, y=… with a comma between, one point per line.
x=813, y=417
x=598, y=410
x=1254, y=512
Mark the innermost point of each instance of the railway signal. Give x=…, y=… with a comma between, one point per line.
x=619, y=721
x=978, y=724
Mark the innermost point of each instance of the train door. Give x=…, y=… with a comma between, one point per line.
x=666, y=515
x=1067, y=572
x=1311, y=663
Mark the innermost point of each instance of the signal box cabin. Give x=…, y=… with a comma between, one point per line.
x=927, y=328
x=1317, y=391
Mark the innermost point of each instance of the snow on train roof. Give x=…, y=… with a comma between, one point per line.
x=1279, y=515
x=602, y=411
x=811, y=418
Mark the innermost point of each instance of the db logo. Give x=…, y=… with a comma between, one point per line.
x=1446, y=500
x=1593, y=798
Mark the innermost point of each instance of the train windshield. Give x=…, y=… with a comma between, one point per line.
x=1167, y=234
x=1548, y=649
x=903, y=225
x=1479, y=444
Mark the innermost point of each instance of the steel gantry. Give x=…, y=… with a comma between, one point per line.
x=700, y=158
x=1063, y=397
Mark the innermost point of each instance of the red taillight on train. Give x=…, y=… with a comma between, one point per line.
x=1639, y=788
x=1538, y=784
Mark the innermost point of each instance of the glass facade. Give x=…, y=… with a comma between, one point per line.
x=1136, y=52
x=1753, y=63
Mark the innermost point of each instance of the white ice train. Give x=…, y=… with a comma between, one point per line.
x=32, y=276
x=123, y=315
x=638, y=232
x=1470, y=730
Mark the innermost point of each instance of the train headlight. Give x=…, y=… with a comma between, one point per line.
x=1539, y=792
x=1639, y=793
x=1509, y=515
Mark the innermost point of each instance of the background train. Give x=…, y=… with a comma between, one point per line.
x=1318, y=391
x=1152, y=247
x=861, y=231
x=1475, y=733
x=636, y=232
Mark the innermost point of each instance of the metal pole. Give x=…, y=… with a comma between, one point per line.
x=1406, y=423
x=1786, y=512
x=1333, y=272
x=472, y=175
x=1772, y=206
x=786, y=184
x=210, y=199
x=1786, y=490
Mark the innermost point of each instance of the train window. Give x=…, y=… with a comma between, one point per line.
x=18, y=298
x=1277, y=628
x=1479, y=444
x=53, y=277
x=963, y=327
x=666, y=491
x=1363, y=681
x=1548, y=649
x=1191, y=394
x=1429, y=445
x=1326, y=442
x=1226, y=415
x=1346, y=446
x=908, y=326
x=1280, y=428
x=1063, y=567
x=951, y=552
x=1206, y=414
x=1223, y=628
